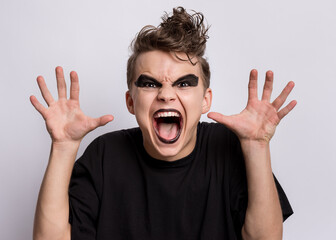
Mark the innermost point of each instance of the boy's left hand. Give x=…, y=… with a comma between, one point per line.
x=258, y=121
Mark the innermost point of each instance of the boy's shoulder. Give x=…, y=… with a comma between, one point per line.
x=215, y=130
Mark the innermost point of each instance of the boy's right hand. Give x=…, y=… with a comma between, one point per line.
x=64, y=119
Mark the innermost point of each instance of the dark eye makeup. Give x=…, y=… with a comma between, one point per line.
x=189, y=80
x=145, y=81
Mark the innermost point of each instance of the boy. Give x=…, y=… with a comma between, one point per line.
x=173, y=177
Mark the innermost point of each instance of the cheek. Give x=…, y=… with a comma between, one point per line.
x=192, y=101
x=142, y=104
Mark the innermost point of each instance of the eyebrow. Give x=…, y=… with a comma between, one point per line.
x=142, y=78
x=193, y=80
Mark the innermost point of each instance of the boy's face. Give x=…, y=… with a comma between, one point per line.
x=167, y=99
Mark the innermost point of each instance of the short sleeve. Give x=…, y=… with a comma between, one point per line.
x=287, y=210
x=84, y=193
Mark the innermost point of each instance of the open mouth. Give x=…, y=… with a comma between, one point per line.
x=167, y=125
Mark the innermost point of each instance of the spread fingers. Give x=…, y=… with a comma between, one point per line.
x=37, y=105
x=279, y=101
x=253, y=85
x=74, y=87
x=283, y=112
x=61, y=86
x=268, y=86
x=45, y=91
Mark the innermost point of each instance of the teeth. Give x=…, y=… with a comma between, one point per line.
x=166, y=114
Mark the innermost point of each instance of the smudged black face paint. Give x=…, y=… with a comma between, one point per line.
x=145, y=81
x=189, y=80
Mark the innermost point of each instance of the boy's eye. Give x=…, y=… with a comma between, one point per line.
x=186, y=81
x=147, y=82
x=184, y=84
x=149, y=85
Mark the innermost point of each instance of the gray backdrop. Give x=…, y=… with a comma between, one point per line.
x=295, y=39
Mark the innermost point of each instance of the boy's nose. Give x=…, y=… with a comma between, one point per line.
x=166, y=94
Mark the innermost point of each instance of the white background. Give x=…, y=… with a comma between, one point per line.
x=295, y=39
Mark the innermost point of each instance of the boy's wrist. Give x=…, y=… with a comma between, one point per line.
x=254, y=144
x=65, y=146
x=64, y=151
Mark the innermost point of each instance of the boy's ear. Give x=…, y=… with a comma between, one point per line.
x=129, y=102
x=207, y=101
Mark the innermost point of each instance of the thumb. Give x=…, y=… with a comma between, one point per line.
x=101, y=121
x=220, y=118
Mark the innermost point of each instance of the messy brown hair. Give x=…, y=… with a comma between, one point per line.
x=179, y=32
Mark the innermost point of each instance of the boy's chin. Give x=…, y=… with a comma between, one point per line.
x=165, y=152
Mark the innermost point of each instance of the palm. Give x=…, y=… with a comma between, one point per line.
x=65, y=121
x=259, y=119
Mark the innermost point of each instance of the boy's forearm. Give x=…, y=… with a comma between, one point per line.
x=264, y=215
x=52, y=210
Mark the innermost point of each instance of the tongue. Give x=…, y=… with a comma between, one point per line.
x=168, y=130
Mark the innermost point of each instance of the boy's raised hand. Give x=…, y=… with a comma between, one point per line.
x=64, y=119
x=258, y=121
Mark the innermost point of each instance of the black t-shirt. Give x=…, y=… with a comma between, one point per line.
x=117, y=191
